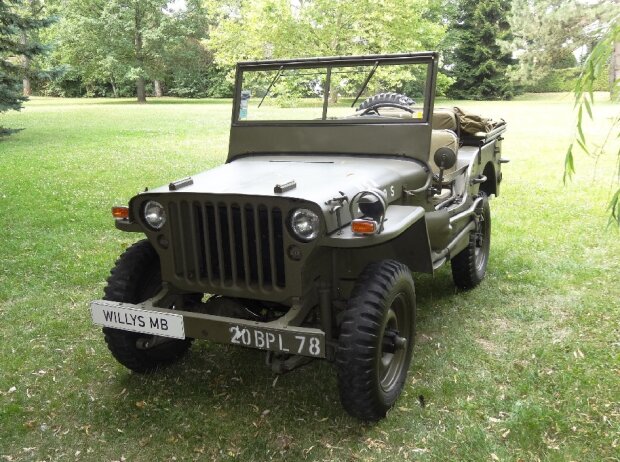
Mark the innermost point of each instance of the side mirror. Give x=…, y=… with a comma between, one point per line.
x=445, y=158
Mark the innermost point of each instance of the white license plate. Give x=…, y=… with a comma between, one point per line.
x=110, y=314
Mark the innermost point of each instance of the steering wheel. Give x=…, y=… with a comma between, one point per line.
x=375, y=108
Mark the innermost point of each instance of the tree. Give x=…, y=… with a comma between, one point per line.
x=114, y=41
x=550, y=34
x=584, y=99
x=180, y=58
x=13, y=27
x=478, y=54
x=268, y=29
x=32, y=10
x=112, y=44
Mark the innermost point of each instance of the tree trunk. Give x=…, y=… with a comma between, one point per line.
x=114, y=90
x=159, y=92
x=140, y=90
x=27, y=87
x=614, y=68
x=26, y=67
x=333, y=95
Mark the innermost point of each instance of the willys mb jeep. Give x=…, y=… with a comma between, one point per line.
x=303, y=243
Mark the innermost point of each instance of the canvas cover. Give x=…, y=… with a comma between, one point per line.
x=471, y=123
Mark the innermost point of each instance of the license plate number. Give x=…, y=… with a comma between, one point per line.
x=285, y=342
x=110, y=314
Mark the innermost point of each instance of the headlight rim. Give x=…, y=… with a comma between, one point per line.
x=146, y=221
x=316, y=232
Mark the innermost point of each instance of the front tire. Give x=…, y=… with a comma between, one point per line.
x=135, y=278
x=469, y=266
x=376, y=340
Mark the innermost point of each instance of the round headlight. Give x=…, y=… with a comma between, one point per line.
x=154, y=214
x=305, y=224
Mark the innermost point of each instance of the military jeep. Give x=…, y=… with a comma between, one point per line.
x=304, y=242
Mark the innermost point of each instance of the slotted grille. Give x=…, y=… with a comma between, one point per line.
x=228, y=244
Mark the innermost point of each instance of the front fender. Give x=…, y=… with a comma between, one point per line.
x=405, y=239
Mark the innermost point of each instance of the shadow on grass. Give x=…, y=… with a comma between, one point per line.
x=49, y=101
x=164, y=100
x=221, y=397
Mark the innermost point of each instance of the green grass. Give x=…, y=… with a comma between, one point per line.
x=525, y=367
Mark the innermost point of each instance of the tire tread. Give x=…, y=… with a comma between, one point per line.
x=358, y=341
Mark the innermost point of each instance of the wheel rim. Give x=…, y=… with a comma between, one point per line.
x=392, y=363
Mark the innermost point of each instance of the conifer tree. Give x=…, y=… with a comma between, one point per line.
x=477, y=60
x=13, y=26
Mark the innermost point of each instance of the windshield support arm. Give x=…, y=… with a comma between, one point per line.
x=372, y=72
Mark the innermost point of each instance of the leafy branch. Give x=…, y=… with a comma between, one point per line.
x=584, y=99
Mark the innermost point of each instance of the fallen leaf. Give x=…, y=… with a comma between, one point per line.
x=283, y=442
x=140, y=404
x=30, y=424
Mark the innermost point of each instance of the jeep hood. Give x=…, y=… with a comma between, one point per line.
x=317, y=178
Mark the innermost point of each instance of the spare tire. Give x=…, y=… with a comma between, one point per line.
x=381, y=98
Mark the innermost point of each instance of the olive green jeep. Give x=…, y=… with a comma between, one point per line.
x=303, y=243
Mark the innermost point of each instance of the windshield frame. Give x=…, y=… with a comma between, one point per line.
x=430, y=59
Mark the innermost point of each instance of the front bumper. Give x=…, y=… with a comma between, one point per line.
x=149, y=320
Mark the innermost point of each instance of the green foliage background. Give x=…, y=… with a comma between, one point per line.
x=478, y=54
x=189, y=48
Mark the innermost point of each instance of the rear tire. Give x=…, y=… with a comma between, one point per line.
x=376, y=340
x=135, y=278
x=470, y=265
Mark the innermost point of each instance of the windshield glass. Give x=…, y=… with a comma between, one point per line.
x=333, y=92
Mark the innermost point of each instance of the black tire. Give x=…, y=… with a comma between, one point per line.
x=135, y=278
x=371, y=370
x=469, y=266
x=390, y=98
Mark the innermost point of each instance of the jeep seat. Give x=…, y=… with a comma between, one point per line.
x=445, y=119
x=443, y=139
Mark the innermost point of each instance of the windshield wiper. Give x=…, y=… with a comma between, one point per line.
x=271, y=85
x=372, y=72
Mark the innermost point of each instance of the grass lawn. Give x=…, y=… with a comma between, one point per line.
x=524, y=367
